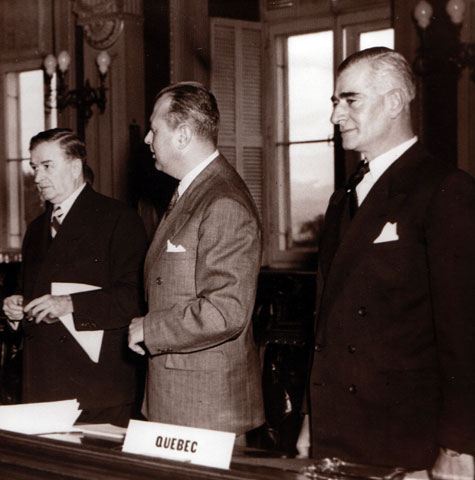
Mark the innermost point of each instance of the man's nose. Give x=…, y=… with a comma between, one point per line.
x=148, y=138
x=338, y=114
x=37, y=175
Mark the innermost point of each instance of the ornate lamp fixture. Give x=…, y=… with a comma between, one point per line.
x=84, y=97
x=463, y=54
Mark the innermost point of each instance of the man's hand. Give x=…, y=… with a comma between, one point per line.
x=451, y=465
x=48, y=308
x=136, y=335
x=303, y=442
x=13, y=307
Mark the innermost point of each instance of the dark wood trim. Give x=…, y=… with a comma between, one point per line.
x=28, y=456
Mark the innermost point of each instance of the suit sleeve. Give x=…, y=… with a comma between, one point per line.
x=451, y=256
x=116, y=304
x=227, y=261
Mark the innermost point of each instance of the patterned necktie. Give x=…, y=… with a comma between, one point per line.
x=355, y=179
x=56, y=220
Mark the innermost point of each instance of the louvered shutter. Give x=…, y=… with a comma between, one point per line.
x=236, y=81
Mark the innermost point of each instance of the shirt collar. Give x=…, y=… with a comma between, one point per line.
x=68, y=203
x=191, y=175
x=380, y=164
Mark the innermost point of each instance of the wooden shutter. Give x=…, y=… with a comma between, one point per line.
x=236, y=81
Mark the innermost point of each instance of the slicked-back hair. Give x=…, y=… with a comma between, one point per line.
x=193, y=103
x=388, y=66
x=72, y=146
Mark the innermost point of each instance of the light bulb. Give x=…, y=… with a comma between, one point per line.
x=50, y=64
x=103, y=61
x=423, y=13
x=64, y=59
x=456, y=10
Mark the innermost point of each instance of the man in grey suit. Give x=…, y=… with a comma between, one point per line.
x=200, y=277
x=393, y=378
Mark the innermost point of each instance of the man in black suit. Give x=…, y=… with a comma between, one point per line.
x=94, y=241
x=393, y=376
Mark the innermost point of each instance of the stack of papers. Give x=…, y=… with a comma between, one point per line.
x=36, y=418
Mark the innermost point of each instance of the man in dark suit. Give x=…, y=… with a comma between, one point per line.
x=393, y=377
x=88, y=239
x=200, y=277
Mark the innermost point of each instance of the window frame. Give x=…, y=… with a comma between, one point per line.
x=6, y=132
x=276, y=116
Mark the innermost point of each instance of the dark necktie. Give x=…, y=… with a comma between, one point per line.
x=56, y=220
x=355, y=179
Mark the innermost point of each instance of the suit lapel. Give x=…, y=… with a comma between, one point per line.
x=75, y=225
x=382, y=205
x=178, y=217
x=336, y=220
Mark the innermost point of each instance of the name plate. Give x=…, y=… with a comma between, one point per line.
x=199, y=446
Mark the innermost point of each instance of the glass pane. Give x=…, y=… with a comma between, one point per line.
x=377, y=38
x=311, y=185
x=25, y=118
x=32, y=116
x=310, y=76
x=32, y=121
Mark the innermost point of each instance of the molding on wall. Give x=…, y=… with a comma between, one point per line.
x=103, y=20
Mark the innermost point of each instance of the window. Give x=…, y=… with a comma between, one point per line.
x=24, y=117
x=304, y=138
x=301, y=150
x=384, y=38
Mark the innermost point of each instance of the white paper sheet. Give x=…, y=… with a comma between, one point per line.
x=90, y=340
x=37, y=418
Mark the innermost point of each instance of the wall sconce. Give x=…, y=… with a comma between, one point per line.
x=464, y=53
x=84, y=97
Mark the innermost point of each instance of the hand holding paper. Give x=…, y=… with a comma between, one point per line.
x=48, y=308
x=90, y=341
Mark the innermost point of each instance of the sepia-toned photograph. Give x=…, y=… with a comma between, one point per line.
x=237, y=239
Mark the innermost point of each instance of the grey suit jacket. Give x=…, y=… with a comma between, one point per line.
x=203, y=366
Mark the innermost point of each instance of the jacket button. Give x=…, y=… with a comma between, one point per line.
x=362, y=311
x=158, y=280
x=352, y=388
x=318, y=347
x=62, y=338
x=351, y=348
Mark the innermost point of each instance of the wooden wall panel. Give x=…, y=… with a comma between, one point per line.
x=25, y=29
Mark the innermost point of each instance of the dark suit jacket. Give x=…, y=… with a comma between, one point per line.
x=394, y=370
x=203, y=366
x=101, y=242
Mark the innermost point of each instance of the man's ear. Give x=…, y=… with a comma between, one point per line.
x=184, y=134
x=395, y=102
x=76, y=167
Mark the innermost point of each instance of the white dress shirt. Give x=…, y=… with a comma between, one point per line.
x=378, y=166
x=191, y=175
x=68, y=203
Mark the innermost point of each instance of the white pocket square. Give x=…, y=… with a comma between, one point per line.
x=175, y=248
x=388, y=233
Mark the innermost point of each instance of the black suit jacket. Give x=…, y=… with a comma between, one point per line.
x=393, y=375
x=101, y=242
